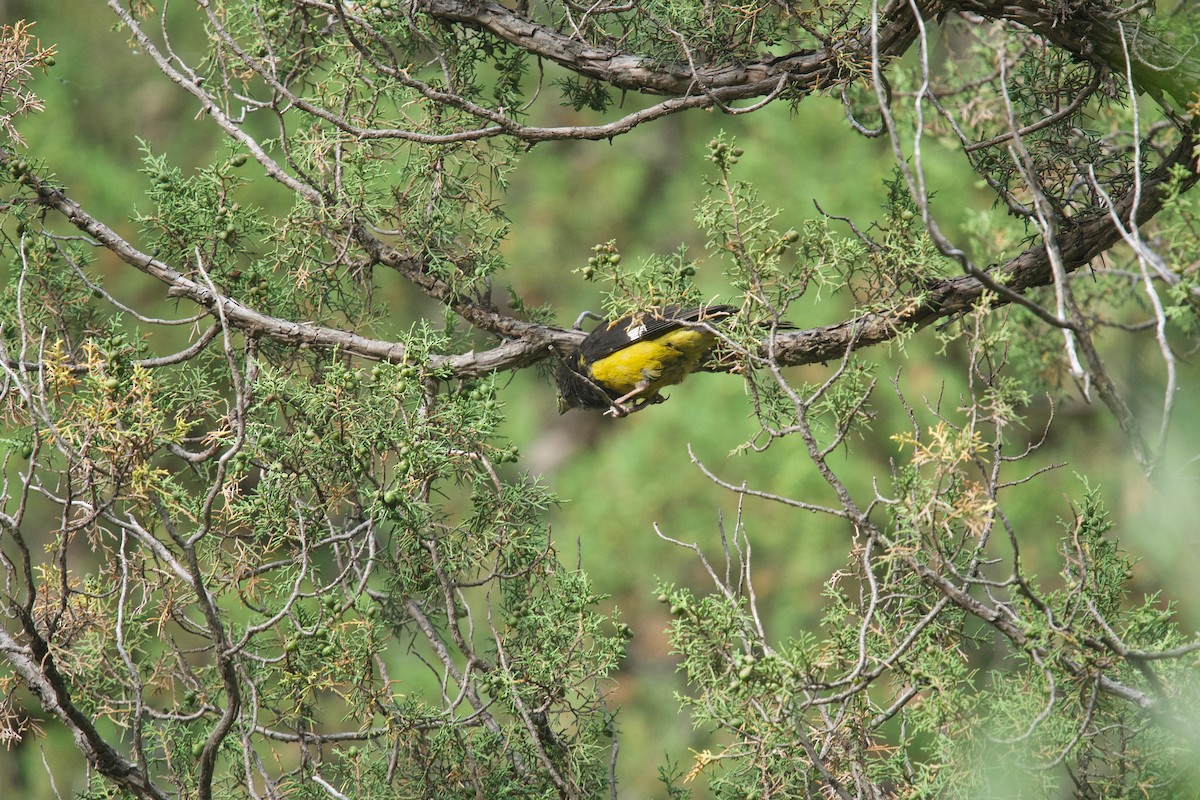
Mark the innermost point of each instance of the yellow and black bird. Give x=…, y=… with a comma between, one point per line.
x=635, y=357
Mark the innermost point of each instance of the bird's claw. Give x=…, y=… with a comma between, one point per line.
x=618, y=409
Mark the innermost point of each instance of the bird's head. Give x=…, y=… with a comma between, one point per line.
x=576, y=391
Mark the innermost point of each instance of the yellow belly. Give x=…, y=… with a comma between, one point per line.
x=654, y=364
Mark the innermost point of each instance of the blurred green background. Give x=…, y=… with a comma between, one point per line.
x=619, y=478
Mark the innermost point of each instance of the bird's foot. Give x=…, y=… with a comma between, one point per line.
x=618, y=410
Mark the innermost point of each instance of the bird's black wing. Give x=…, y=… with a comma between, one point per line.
x=609, y=337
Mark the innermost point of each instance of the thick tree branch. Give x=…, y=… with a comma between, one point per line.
x=527, y=343
x=804, y=70
x=36, y=666
x=1078, y=245
x=1089, y=30
x=1092, y=31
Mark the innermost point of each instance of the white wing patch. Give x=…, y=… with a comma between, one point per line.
x=635, y=331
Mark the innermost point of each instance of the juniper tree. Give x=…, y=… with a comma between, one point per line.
x=264, y=531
